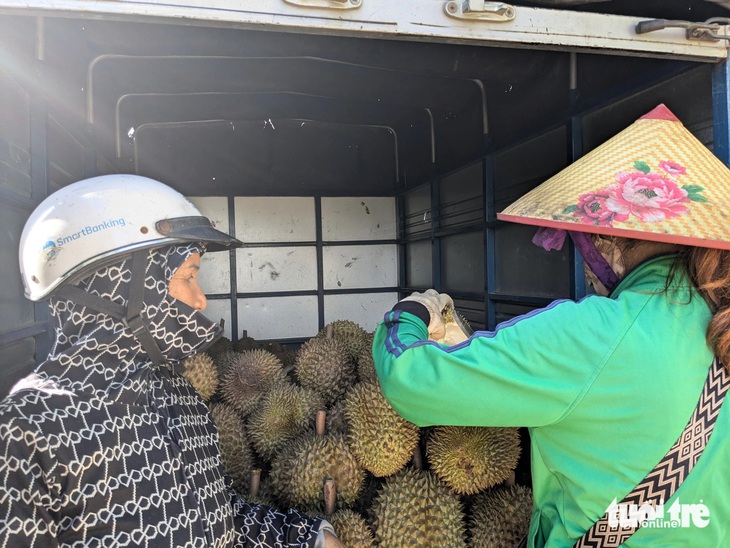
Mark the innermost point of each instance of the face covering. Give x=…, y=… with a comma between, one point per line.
x=95, y=352
x=604, y=263
x=614, y=258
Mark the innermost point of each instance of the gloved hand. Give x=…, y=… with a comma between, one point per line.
x=439, y=305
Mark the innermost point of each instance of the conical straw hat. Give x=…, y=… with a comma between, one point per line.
x=653, y=181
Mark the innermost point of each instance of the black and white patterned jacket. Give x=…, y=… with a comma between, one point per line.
x=100, y=448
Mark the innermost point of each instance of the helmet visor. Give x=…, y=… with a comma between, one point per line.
x=197, y=229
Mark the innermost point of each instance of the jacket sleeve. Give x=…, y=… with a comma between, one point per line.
x=529, y=372
x=25, y=497
x=265, y=527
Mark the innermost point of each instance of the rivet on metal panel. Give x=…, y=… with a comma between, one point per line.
x=480, y=10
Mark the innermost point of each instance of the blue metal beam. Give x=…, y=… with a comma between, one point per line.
x=720, y=111
x=490, y=266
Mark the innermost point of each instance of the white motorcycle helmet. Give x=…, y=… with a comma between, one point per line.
x=85, y=225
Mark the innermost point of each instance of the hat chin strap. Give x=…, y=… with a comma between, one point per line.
x=131, y=316
x=595, y=261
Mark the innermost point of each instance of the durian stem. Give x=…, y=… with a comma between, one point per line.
x=254, y=484
x=329, y=331
x=417, y=458
x=330, y=496
x=320, y=424
x=244, y=333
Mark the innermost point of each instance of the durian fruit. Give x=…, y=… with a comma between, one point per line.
x=336, y=420
x=347, y=332
x=324, y=365
x=221, y=344
x=281, y=414
x=415, y=508
x=223, y=361
x=235, y=449
x=369, y=490
x=200, y=371
x=365, y=364
x=245, y=343
x=469, y=458
x=500, y=517
x=249, y=376
x=382, y=441
x=352, y=529
x=260, y=490
x=286, y=356
x=299, y=471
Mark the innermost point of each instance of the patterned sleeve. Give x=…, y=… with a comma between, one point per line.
x=25, y=494
x=265, y=527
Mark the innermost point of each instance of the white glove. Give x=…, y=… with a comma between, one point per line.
x=439, y=305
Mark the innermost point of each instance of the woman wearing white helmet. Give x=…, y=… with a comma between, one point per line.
x=621, y=391
x=104, y=444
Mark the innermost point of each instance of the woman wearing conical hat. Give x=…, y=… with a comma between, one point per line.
x=622, y=391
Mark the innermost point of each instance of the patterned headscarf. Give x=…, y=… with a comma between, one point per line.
x=96, y=352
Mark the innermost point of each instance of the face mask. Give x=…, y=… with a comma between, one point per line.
x=608, y=249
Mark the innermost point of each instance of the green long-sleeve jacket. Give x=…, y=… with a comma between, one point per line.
x=605, y=386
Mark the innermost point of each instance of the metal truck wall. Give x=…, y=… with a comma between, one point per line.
x=356, y=170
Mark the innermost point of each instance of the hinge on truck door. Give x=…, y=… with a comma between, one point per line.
x=331, y=4
x=707, y=31
x=479, y=9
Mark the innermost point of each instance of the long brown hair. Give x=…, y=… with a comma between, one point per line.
x=709, y=270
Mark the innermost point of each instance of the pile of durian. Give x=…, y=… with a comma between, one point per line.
x=310, y=429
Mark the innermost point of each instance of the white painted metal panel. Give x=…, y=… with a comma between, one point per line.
x=215, y=268
x=360, y=266
x=278, y=317
x=366, y=309
x=265, y=269
x=215, y=273
x=215, y=208
x=406, y=20
x=220, y=309
x=275, y=219
x=349, y=218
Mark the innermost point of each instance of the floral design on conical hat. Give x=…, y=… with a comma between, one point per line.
x=652, y=181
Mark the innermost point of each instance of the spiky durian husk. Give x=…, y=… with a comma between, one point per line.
x=235, y=449
x=469, y=459
x=352, y=529
x=221, y=344
x=299, y=471
x=325, y=366
x=500, y=517
x=201, y=372
x=289, y=359
x=336, y=420
x=381, y=440
x=365, y=364
x=282, y=414
x=245, y=343
x=348, y=333
x=264, y=494
x=249, y=376
x=369, y=491
x=223, y=361
x=275, y=348
x=415, y=508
